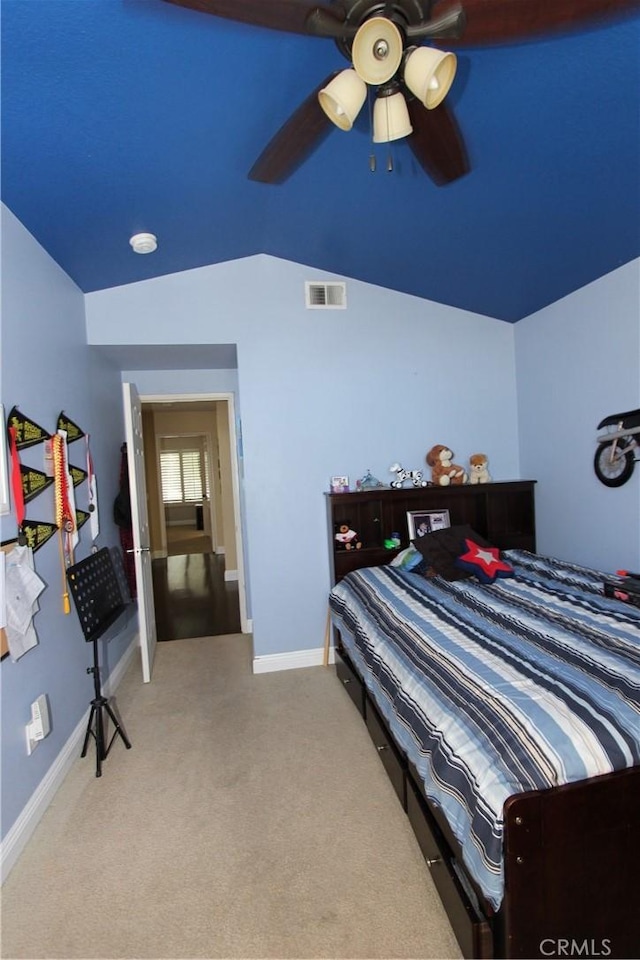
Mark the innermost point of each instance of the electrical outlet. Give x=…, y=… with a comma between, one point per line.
x=40, y=726
x=31, y=744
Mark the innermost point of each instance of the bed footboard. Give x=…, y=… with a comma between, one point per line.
x=572, y=870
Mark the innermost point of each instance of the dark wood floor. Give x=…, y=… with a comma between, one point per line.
x=192, y=598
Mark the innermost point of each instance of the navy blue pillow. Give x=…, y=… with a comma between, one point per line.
x=483, y=561
x=442, y=548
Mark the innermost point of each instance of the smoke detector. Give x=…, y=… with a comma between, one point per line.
x=144, y=243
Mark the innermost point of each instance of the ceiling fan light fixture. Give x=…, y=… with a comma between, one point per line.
x=390, y=116
x=377, y=50
x=342, y=98
x=429, y=73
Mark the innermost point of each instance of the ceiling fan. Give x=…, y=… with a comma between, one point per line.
x=383, y=40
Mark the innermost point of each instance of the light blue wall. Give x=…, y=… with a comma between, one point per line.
x=47, y=367
x=323, y=393
x=158, y=382
x=577, y=362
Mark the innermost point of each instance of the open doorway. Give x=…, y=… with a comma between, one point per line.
x=194, y=516
x=192, y=598
x=191, y=489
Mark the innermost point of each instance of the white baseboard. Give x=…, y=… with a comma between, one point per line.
x=113, y=680
x=20, y=833
x=291, y=661
x=230, y=575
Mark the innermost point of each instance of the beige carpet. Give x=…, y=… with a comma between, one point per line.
x=183, y=540
x=251, y=818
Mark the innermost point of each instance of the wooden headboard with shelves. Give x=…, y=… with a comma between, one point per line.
x=503, y=513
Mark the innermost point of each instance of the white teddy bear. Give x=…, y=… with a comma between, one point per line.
x=479, y=472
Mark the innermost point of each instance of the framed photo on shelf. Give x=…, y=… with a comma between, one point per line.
x=422, y=522
x=339, y=484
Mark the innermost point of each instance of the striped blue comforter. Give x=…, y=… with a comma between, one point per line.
x=494, y=690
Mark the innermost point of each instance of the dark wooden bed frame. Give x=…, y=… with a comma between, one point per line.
x=571, y=853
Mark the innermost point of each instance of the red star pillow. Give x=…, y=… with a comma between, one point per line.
x=483, y=561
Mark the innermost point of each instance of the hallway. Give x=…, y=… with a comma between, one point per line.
x=191, y=597
x=183, y=539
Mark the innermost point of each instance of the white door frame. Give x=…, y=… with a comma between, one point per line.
x=140, y=527
x=185, y=398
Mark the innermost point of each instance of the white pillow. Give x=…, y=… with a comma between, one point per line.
x=407, y=558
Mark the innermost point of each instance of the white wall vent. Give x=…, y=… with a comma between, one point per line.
x=325, y=296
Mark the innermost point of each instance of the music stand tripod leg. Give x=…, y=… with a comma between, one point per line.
x=96, y=724
x=89, y=732
x=118, y=728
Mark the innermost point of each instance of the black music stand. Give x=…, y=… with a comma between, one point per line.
x=98, y=601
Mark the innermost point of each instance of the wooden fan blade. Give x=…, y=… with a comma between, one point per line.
x=295, y=140
x=288, y=15
x=437, y=143
x=497, y=21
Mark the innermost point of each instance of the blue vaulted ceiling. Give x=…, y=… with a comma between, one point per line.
x=120, y=116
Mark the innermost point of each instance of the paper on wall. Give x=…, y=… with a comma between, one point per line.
x=22, y=588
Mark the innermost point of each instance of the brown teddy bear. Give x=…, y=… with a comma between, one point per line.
x=346, y=538
x=443, y=471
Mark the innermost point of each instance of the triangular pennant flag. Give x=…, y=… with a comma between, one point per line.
x=81, y=517
x=33, y=482
x=72, y=430
x=28, y=432
x=36, y=533
x=78, y=475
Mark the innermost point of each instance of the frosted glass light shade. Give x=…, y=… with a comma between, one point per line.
x=144, y=243
x=377, y=50
x=429, y=73
x=390, y=118
x=342, y=98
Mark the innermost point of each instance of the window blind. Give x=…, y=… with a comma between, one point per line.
x=181, y=476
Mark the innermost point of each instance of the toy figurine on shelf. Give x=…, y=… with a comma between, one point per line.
x=346, y=538
x=478, y=468
x=368, y=482
x=443, y=471
x=401, y=475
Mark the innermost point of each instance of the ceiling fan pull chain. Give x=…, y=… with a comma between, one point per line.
x=372, y=162
x=390, y=162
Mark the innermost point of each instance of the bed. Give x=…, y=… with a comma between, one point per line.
x=507, y=714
